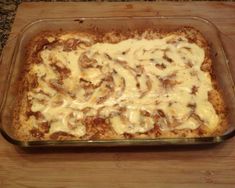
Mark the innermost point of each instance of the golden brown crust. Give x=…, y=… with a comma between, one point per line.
x=97, y=127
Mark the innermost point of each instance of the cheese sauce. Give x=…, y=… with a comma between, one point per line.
x=134, y=75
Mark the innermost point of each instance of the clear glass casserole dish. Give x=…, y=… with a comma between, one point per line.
x=13, y=70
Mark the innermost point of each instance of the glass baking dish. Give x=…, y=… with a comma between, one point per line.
x=12, y=68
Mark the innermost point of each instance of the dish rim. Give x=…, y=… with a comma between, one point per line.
x=113, y=142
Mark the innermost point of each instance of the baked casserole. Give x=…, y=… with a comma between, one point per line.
x=118, y=85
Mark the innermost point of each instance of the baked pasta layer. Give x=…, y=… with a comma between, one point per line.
x=142, y=84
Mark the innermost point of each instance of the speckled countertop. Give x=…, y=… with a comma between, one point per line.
x=7, y=14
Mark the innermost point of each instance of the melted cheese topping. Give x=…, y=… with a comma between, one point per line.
x=120, y=82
